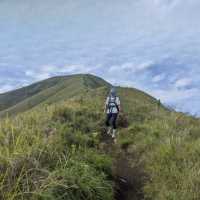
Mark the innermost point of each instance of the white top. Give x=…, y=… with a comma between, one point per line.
x=113, y=109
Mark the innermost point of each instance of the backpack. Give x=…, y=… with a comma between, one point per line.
x=112, y=104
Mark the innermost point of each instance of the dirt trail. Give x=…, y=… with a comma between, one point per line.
x=128, y=179
x=128, y=176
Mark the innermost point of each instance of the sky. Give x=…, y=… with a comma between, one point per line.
x=152, y=45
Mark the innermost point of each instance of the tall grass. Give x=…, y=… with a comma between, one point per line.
x=55, y=152
x=38, y=160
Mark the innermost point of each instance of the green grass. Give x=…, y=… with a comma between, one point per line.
x=48, y=91
x=58, y=149
x=45, y=155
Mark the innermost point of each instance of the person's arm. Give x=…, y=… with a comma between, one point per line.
x=119, y=108
x=106, y=106
x=119, y=104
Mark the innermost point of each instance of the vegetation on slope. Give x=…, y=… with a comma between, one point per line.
x=50, y=91
x=50, y=155
x=60, y=151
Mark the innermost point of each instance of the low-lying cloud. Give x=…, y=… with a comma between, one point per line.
x=153, y=45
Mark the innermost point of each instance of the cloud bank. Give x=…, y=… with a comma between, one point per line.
x=153, y=45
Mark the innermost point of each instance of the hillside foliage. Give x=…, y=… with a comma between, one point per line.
x=60, y=151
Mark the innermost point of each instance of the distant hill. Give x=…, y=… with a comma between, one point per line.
x=64, y=88
x=49, y=91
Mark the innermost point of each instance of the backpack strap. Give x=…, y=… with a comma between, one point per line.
x=116, y=104
x=109, y=107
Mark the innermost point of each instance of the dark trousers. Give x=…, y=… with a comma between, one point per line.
x=111, y=120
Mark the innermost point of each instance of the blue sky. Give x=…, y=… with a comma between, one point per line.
x=153, y=45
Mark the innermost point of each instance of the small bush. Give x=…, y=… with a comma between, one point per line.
x=78, y=180
x=122, y=121
x=174, y=171
x=63, y=115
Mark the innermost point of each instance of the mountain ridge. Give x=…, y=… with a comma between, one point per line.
x=62, y=88
x=40, y=91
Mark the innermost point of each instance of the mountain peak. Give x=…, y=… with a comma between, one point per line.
x=63, y=88
x=93, y=81
x=50, y=90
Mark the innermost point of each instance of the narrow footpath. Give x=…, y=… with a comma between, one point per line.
x=128, y=177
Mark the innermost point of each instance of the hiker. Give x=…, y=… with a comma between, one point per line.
x=112, y=109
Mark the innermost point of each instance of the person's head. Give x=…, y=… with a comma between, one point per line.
x=113, y=92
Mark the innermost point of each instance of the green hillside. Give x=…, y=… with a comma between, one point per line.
x=48, y=91
x=59, y=89
x=59, y=149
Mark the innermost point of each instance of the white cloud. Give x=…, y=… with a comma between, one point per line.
x=144, y=65
x=174, y=95
x=6, y=87
x=169, y=3
x=37, y=75
x=131, y=67
x=75, y=69
x=184, y=82
x=129, y=32
x=46, y=71
x=158, y=78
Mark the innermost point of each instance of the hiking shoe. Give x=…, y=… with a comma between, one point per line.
x=114, y=133
x=109, y=132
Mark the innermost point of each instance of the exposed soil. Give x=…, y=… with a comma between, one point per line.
x=128, y=179
x=128, y=176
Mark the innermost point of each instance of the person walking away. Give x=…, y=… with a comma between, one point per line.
x=112, y=109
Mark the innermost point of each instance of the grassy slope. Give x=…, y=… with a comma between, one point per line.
x=157, y=151
x=61, y=146
x=63, y=149
x=48, y=91
x=12, y=98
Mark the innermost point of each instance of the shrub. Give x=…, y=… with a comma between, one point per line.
x=78, y=180
x=122, y=121
x=63, y=115
x=174, y=171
